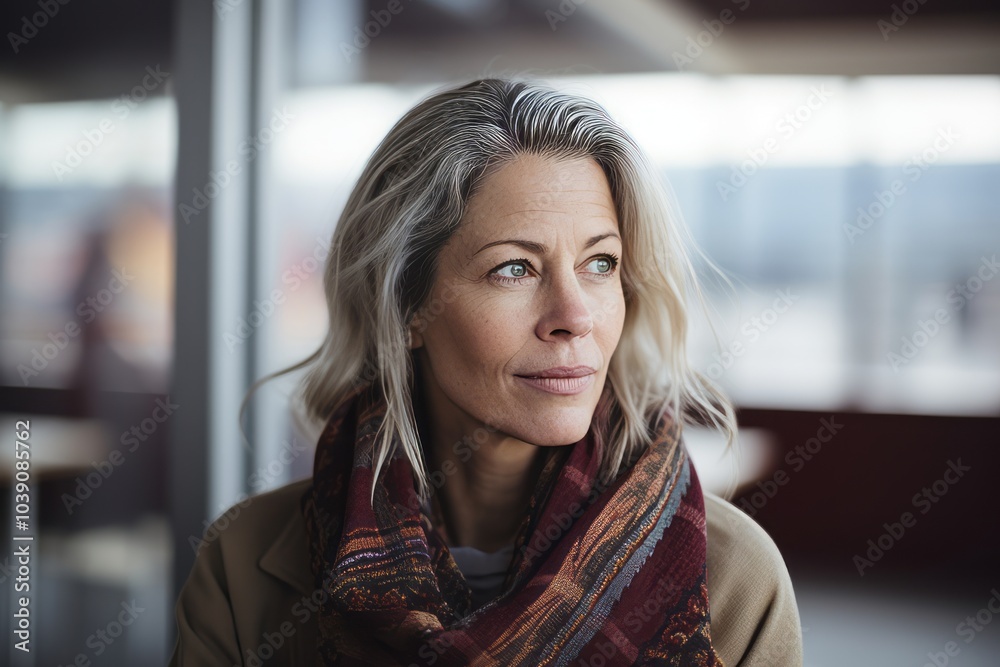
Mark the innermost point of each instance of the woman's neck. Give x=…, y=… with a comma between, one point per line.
x=483, y=479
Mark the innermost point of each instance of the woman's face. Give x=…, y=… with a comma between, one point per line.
x=530, y=282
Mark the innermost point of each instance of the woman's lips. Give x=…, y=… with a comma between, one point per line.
x=563, y=386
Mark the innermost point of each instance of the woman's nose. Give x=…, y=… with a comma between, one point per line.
x=566, y=308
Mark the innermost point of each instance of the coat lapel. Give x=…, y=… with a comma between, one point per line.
x=287, y=558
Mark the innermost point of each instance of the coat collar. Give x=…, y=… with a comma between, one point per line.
x=287, y=558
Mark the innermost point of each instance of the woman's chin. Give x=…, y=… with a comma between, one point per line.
x=556, y=430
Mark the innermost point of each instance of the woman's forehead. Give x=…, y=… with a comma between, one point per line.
x=540, y=190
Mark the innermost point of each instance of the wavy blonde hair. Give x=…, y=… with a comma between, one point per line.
x=410, y=199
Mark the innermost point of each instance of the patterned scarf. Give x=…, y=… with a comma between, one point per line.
x=602, y=575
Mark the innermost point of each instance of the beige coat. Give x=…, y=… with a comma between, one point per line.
x=249, y=597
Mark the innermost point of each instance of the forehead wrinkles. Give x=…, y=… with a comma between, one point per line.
x=510, y=202
x=509, y=199
x=518, y=215
x=533, y=176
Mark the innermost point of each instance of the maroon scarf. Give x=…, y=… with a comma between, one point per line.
x=601, y=575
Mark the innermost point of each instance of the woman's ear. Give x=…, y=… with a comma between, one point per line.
x=414, y=337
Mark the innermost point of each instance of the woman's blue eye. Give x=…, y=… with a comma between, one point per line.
x=607, y=264
x=518, y=268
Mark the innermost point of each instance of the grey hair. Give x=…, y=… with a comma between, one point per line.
x=410, y=199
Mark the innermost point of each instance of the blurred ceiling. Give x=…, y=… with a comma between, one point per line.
x=100, y=48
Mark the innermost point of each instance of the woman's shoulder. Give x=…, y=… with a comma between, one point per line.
x=267, y=531
x=736, y=539
x=259, y=517
x=251, y=579
x=755, y=619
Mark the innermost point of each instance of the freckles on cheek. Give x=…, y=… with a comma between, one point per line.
x=487, y=330
x=483, y=303
x=478, y=321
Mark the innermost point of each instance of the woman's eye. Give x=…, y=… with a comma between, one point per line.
x=604, y=265
x=517, y=270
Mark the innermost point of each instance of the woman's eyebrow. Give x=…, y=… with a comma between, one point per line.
x=539, y=248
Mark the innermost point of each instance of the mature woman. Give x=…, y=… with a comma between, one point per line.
x=500, y=478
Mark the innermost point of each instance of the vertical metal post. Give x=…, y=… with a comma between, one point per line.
x=212, y=75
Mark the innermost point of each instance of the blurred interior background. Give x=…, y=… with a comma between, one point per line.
x=171, y=171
